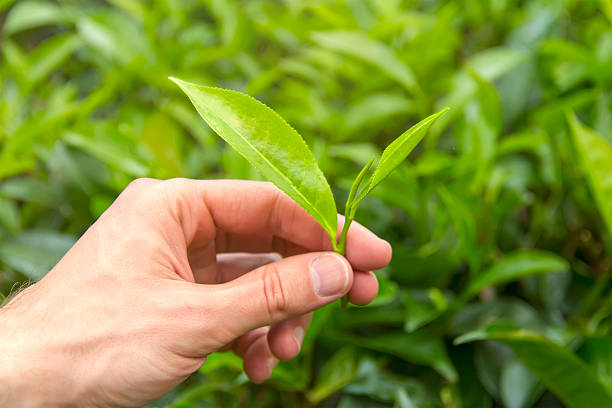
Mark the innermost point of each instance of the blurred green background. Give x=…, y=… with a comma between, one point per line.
x=499, y=289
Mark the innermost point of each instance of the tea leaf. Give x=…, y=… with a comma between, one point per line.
x=561, y=371
x=107, y=152
x=270, y=145
x=596, y=159
x=357, y=184
x=515, y=266
x=339, y=371
x=30, y=14
x=35, y=252
x=350, y=209
x=397, y=151
x=597, y=352
x=420, y=347
x=49, y=55
x=376, y=53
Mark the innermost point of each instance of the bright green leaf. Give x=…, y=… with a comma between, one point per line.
x=270, y=144
x=397, y=151
x=31, y=14
x=51, y=54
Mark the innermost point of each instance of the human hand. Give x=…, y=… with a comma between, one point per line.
x=155, y=285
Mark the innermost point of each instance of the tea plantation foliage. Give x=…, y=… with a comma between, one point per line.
x=499, y=289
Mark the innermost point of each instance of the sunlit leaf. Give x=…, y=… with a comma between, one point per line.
x=270, y=145
x=397, y=152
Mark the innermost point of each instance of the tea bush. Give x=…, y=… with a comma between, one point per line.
x=498, y=293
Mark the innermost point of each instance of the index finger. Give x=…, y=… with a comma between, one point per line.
x=252, y=216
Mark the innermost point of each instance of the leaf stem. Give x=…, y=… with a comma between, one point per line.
x=342, y=240
x=349, y=214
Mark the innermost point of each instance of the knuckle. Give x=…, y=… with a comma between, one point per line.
x=176, y=182
x=274, y=293
x=139, y=183
x=269, y=186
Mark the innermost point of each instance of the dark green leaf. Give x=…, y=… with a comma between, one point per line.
x=595, y=155
x=560, y=370
x=515, y=266
x=339, y=371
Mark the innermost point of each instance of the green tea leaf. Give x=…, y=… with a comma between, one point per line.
x=350, y=210
x=561, y=371
x=518, y=386
x=357, y=184
x=397, y=151
x=403, y=400
x=30, y=14
x=30, y=190
x=383, y=385
x=339, y=371
x=270, y=145
x=597, y=352
x=35, y=252
x=10, y=217
x=513, y=311
x=160, y=135
x=49, y=55
x=493, y=63
x=216, y=361
x=108, y=152
x=596, y=160
x=422, y=307
x=515, y=266
x=420, y=347
x=377, y=107
x=376, y=53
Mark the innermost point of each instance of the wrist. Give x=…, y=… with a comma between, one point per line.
x=29, y=376
x=10, y=377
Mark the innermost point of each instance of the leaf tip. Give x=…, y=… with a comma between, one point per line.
x=177, y=81
x=463, y=339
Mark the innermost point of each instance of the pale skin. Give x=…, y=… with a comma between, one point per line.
x=171, y=272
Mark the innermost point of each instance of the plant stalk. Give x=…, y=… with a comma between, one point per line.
x=341, y=246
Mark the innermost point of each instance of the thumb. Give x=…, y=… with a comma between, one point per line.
x=280, y=290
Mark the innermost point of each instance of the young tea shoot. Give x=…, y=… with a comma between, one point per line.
x=282, y=156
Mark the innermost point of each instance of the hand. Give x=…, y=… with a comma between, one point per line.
x=155, y=285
